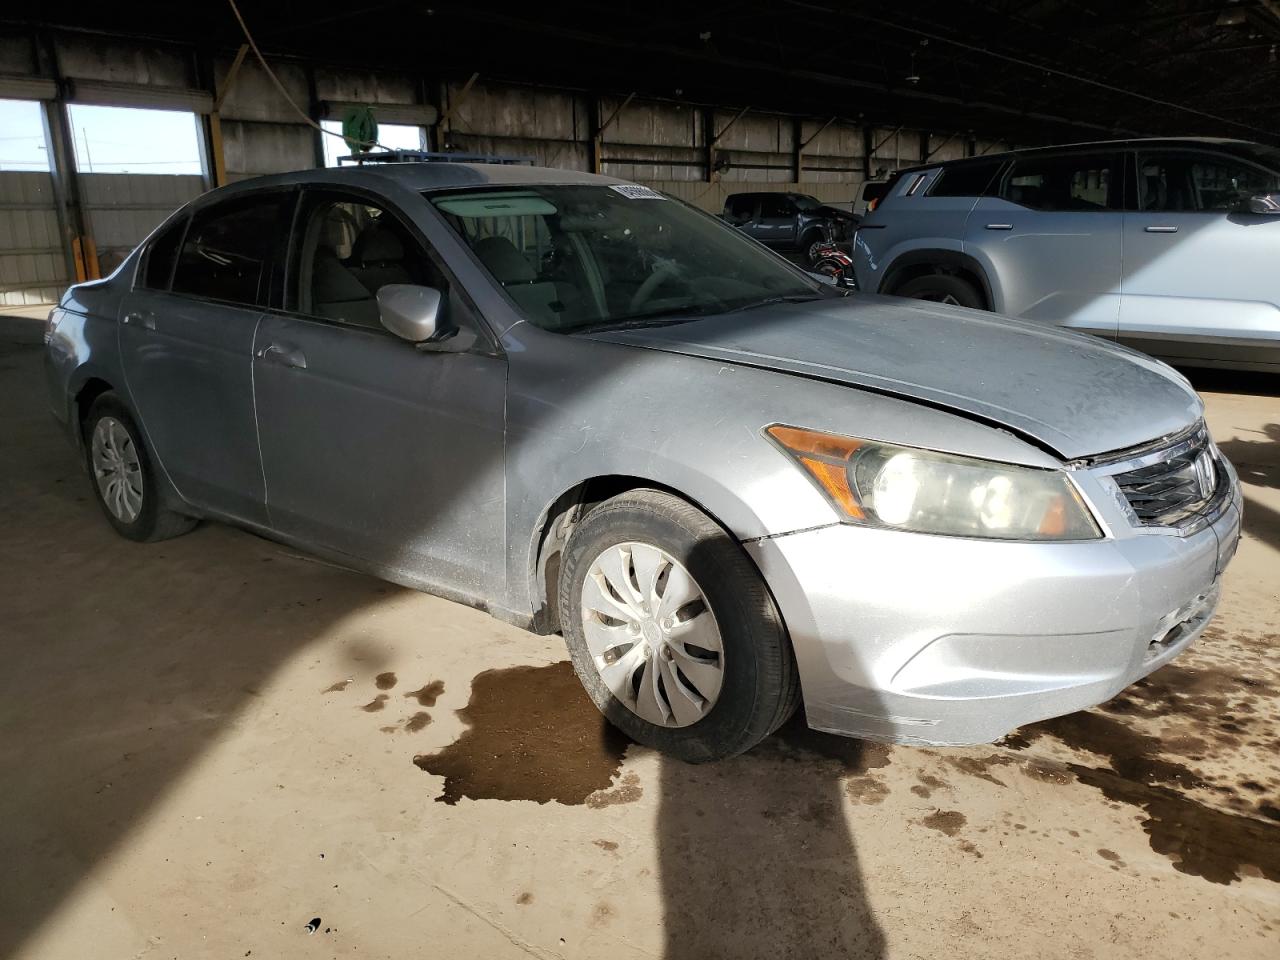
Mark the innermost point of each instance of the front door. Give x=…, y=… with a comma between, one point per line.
x=1199, y=269
x=1050, y=238
x=775, y=224
x=186, y=345
x=370, y=446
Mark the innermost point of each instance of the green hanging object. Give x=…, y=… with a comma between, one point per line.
x=359, y=129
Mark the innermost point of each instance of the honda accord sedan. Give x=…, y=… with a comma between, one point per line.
x=588, y=408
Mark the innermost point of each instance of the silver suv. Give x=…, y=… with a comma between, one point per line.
x=1170, y=246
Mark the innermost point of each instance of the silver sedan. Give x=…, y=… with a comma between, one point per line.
x=588, y=408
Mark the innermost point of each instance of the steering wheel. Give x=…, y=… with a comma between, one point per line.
x=662, y=272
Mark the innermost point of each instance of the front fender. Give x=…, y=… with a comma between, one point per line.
x=579, y=409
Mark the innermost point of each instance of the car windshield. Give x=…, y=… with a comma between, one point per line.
x=577, y=258
x=804, y=202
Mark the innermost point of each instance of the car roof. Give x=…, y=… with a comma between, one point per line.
x=424, y=177
x=1220, y=142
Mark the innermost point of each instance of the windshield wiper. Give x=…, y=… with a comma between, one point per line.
x=769, y=301
x=658, y=318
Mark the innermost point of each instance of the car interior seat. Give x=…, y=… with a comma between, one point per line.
x=331, y=289
x=378, y=258
x=543, y=300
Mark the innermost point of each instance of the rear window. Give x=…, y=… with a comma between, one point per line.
x=966, y=180
x=228, y=250
x=157, y=268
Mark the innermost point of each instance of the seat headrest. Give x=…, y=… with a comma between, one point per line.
x=377, y=244
x=504, y=261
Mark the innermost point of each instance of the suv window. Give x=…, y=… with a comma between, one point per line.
x=740, y=207
x=1077, y=182
x=965, y=180
x=157, y=264
x=774, y=207
x=229, y=248
x=348, y=249
x=1191, y=181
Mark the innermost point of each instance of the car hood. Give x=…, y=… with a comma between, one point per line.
x=1069, y=392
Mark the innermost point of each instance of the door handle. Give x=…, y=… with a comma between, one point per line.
x=1158, y=229
x=999, y=226
x=147, y=320
x=286, y=357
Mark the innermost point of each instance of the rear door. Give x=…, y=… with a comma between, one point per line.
x=1200, y=269
x=371, y=447
x=186, y=343
x=1049, y=238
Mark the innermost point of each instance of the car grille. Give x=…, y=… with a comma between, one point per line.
x=1180, y=482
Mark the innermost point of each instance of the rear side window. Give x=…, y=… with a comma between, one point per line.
x=774, y=207
x=1076, y=182
x=740, y=207
x=157, y=264
x=966, y=180
x=229, y=250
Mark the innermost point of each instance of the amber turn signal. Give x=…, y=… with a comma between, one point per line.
x=826, y=459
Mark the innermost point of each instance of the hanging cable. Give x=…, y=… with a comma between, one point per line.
x=248, y=38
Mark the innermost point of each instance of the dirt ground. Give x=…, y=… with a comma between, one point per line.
x=208, y=743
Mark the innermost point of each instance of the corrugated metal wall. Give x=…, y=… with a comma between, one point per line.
x=122, y=208
x=33, y=267
x=659, y=142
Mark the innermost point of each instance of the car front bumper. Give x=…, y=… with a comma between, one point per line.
x=919, y=639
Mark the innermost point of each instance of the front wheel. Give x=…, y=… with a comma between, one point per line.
x=672, y=630
x=942, y=288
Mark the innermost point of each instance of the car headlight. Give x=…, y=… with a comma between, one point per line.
x=906, y=488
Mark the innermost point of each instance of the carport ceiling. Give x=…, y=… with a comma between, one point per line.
x=1029, y=70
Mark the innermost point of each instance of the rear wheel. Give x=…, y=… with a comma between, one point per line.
x=123, y=476
x=672, y=631
x=942, y=288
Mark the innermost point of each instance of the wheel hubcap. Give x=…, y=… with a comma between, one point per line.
x=651, y=634
x=116, y=469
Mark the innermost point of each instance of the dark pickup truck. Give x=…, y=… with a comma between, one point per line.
x=788, y=221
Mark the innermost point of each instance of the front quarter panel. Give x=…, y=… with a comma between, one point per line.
x=580, y=409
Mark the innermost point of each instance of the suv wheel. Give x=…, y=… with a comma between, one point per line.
x=942, y=288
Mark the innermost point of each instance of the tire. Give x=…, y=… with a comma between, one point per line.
x=942, y=288
x=759, y=686
x=807, y=243
x=143, y=518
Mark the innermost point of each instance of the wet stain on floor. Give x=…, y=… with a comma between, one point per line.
x=384, y=681
x=376, y=704
x=531, y=734
x=945, y=821
x=428, y=693
x=418, y=721
x=339, y=686
x=1201, y=841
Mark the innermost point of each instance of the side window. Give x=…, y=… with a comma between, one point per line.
x=740, y=208
x=776, y=208
x=229, y=250
x=158, y=261
x=965, y=180
x=1190, y=182
x=347, y=250
x=1076, y=182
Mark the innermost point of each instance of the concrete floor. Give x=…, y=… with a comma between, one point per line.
x=207, y=743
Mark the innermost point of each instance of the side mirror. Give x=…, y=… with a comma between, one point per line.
x=1266, y=203
x=410, y=312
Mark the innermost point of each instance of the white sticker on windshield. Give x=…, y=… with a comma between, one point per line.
x=633, y=191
